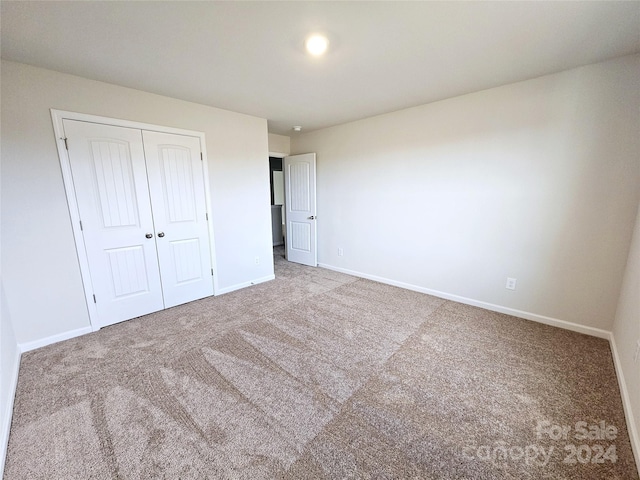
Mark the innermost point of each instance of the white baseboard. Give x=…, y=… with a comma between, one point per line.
x=555, y=322
x=43, y=342
x=5, y=428
x=631, y=426
x=634, y=435
x=238, y=286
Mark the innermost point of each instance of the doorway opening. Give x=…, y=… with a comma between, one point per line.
x=293, y=198
x=276, y=178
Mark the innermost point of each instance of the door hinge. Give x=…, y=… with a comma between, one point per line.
x=66, y=145
x=82, y=229
x=212, y=272
x=201, y=157
x=94, y=298
x=207, y=216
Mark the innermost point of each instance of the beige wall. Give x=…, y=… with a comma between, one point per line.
x=626, y=331
x=537, y=180
x=279, y=144
x=40, y=269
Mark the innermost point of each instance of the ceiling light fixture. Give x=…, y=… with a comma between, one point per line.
x=316, y=45
x=297, y=128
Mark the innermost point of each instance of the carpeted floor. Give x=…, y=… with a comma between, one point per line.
x=319, y=375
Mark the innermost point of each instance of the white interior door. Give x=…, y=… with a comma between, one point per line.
x=110, y=182
x=176, y=184
x=300, y=211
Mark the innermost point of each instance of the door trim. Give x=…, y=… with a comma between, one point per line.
x=57, y=116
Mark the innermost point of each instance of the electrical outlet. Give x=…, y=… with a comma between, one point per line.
x=637, y=355
x=257, y=260
x=511, y=283
x=340, y=252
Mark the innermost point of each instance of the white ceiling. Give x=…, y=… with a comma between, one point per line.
x=248, y=56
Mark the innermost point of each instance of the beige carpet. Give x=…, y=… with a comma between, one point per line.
x=318, y=375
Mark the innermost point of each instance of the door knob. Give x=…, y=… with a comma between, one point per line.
x=312, y=217
x=161, y=234
x=149, y=235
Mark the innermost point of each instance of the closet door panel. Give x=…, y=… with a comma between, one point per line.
x=176, y=184
x=110, y=183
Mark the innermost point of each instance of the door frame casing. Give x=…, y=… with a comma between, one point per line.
x=57, y=116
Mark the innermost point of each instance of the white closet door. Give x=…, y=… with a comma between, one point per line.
x=176, y=183
x=110, y=181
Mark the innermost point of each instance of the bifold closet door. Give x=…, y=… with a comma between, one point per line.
x=110, y=183
x=176, y=184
